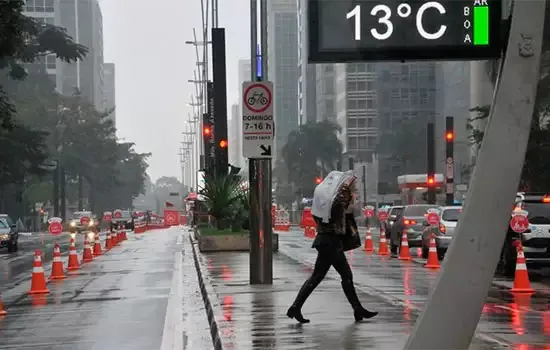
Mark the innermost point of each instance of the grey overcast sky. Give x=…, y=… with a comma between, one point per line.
x=146, y=41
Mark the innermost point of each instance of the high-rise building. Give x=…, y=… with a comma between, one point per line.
x=234, y=137
x=307, y=81
x=325, y=92
x=109, y=89
x=283, y=66
x=84, y=23
x=245, y=74
x=406, y=91
x=355, y=109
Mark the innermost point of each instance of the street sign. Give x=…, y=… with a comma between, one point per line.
x=107, y=216
x=383, y=215
x=54, y=226
x=519, y=222
x=369, y=212
x=258, y=126
x=433, y=218
x=85, y=220
x=395, y=30
x=449, y=168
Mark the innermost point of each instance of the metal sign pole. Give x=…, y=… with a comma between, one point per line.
x=261, y=252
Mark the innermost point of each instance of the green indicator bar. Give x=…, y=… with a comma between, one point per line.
x=481, y=25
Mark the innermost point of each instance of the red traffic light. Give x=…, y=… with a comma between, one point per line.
x=449, y=136
x=223, y=144
x=207, y=131
x=431, y=181
x=318, y=180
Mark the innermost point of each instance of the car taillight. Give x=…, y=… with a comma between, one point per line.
x=442, y=228
x=546, y=199
x=408, y=222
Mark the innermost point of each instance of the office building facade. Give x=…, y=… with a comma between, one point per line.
x=307, y=81
x=109, y=90
x=83, y=21
x=283, y=66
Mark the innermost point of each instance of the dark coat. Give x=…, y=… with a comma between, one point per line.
x=331, y=234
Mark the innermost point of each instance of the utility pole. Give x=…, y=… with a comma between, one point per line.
x=430, y=153
x=449, y=161
x=261, y=235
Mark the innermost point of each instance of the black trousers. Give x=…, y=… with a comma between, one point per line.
x=328, y=257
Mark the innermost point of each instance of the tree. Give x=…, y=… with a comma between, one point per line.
x=310, y=152
x=26, y=40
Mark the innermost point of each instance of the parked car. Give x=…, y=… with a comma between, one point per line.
x=410, y=220
x=448, y=218
x=393, y=213
x=9, y=234
x=535, y=241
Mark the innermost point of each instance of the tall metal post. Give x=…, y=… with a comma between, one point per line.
x=473, y=255
x=62, y=192
x=364, y=184
x=430, y=153
x=56, y=190
x=261, y=235
x=449, y=161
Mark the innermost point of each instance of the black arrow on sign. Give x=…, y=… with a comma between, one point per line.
x=266, y=150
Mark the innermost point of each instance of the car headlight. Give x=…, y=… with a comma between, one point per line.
x=4, y=237
x=73, y=224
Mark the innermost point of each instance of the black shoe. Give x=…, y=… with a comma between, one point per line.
x=295, y=313
x=363, y=313
x=359, y=312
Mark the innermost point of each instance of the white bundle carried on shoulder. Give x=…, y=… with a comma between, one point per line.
x=326, y=192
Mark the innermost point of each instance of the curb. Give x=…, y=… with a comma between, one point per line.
x=214, y=330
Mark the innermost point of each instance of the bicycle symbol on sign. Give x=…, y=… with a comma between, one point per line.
x=257, y=97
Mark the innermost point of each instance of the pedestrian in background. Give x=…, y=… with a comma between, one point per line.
x=332, y=211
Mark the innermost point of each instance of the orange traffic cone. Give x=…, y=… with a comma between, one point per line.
x=57, y=265
x=433, y=260
x=87, y=253
x=73, y=257
x=404, y=253
x=38, y=281
x=114, y=238
x=383, y=247
x=108, y=241
x=124, y=237
x=2, y=310
x=521, y=278
x=368, y=242
x=97, y=245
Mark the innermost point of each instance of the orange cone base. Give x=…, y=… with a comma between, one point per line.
x=53, y=278
x=432, y=266
x=87, y=260
x=72, y=268
x=522, y=290
x=368, y=250
x=39, y=291
x=3, y=313
x=405, y=258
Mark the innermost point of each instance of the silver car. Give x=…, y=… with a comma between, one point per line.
x=448, y=218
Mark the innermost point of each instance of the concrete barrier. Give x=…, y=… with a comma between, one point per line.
x=229, y=243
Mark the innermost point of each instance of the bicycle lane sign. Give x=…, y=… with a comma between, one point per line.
x=258, y=126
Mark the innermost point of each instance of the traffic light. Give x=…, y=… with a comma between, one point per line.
x=430, y=169
x=207, y=131
x=449, y=160
x=208, y=141
x=430, y=181
x=223, y=144
x=41, y=211
x=318, y=180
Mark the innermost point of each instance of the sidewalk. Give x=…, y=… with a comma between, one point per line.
x=253, y=317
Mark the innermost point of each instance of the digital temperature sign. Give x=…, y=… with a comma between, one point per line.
x=400, y=30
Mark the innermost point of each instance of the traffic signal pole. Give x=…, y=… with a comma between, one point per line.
x=261, y=235
x=430, y=153
x=468, y=271
x=449, y=161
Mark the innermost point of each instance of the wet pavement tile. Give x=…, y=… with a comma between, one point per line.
x=118, y=301
x=506, y=320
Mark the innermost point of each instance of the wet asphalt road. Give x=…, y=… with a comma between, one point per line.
x=141, y=295
x=253, y=317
